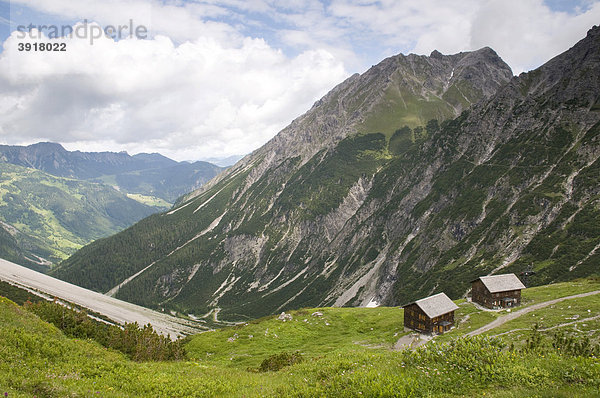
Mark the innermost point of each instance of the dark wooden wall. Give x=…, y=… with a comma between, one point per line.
x=480, y=294
x=415, y=318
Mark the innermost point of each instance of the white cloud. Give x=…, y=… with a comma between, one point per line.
x=192, y=100
x=201, y=87
x=527, y=33
x=524, y=33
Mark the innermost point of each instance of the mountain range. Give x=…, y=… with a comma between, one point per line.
x=413, y=178
x=149, y=174
x=53, y=202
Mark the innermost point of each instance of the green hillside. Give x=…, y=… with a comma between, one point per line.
x=47, y=218
x=344, y=352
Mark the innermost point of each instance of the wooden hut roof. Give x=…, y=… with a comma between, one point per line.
x=436, y=305
x=501, y=283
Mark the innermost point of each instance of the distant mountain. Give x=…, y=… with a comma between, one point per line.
x=150, y=175
x=44, y=219
x=225, y=162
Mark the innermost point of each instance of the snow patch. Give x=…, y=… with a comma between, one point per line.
x=372, y=304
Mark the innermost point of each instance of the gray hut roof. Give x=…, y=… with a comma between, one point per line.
x=501, y=283
x=436, y=305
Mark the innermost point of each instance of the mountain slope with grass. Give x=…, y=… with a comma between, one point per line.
x=388, y=190
x=329, y=352
x=44, y=219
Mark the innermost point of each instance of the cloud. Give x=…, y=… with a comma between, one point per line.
x=524, y=33
x=180, y=21
x=528, y=33
x=192, y=100
x=221, y=77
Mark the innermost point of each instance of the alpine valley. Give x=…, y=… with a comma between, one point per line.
x=53, y=201
x=415, y=177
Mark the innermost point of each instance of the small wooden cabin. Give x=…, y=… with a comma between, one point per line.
x=434, y=314
x=497, y=291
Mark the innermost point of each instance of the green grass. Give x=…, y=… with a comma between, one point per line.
x=150, y=200
x=346, y=353
x=400, y=107
x=338, y=329
x=538, y=294
x=573, y=312
x=37, y=359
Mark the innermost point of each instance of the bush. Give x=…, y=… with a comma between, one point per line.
x=279, y=361
x=562, y=343
x=140, y=344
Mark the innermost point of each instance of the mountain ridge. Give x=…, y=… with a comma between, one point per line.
x=334, y=213
x=292, y=138
x=150, y=174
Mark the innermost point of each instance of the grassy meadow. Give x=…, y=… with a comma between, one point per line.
x=343, y=352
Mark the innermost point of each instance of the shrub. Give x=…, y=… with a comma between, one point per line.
x=140, y=344
x=279, y=361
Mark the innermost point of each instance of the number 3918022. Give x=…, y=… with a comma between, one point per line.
x=42, y=47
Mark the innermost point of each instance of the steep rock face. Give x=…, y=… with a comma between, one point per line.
x=372, y=197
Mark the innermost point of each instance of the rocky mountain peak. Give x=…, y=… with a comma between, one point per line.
x=396, y=87
x=435, y=54
x=572, y=75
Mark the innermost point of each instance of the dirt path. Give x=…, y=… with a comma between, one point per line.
x=411, y=341
x=117, y=310
x=561, y=325
x=513, y=315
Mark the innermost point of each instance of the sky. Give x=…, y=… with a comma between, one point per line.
x=202, y=79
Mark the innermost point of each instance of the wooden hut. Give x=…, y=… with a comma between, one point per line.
x=434, y=314
x=497, y=291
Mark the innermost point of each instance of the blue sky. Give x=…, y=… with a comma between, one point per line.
x=221, y=77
